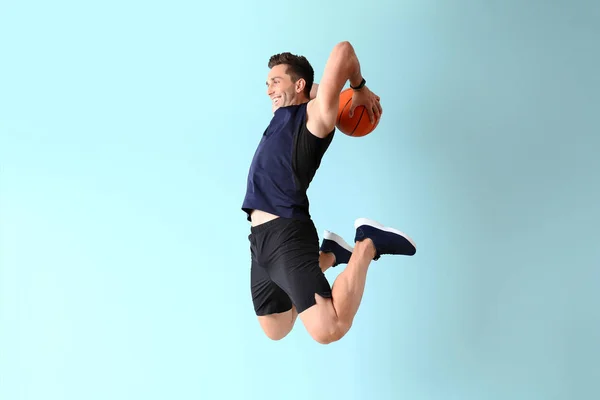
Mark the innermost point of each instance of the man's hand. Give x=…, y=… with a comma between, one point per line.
x=364, y=97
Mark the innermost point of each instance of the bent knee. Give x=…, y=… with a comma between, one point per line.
x=277, y=333
x=276, y=328
x=329, y=332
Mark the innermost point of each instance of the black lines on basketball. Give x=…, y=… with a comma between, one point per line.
x=358, y=122
x=344, y=108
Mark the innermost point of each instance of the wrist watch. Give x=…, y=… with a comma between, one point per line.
x=360, y=86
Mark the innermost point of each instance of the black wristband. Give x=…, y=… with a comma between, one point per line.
x=360, y=86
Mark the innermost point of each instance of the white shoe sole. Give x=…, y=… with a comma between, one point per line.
x=375, y=224
x=332, y=236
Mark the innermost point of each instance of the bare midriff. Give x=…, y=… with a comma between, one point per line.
x=259, y=217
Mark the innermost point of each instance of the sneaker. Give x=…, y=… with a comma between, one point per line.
x=333, y=243
x=386, y=240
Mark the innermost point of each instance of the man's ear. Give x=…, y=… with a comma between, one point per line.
x=300, y=85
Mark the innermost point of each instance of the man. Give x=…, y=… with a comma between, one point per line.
x=287, y=263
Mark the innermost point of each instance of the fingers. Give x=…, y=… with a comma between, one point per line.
x=372, y=105
x=376, y=109
x=371, y=112
x=352, y=107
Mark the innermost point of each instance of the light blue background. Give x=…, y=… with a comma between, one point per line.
x=126, y=131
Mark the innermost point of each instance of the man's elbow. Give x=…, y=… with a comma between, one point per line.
x=344, y=48
x=346, y=59
x=344, y=44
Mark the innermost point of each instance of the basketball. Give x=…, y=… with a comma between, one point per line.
x=357, y=126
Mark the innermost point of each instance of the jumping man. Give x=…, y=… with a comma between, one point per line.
x=288, y=265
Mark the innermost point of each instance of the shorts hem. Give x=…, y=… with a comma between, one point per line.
x=264, y=313
x=308, y=304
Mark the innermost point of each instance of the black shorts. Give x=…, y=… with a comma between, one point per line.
x=285, y=266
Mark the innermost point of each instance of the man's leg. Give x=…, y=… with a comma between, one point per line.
x=331, y=318
x=273, y=307
x=326, y=261
x=277, y=326
x=333, y=251
x=275, y=312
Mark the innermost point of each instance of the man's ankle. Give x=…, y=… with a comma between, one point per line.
x=366, y=247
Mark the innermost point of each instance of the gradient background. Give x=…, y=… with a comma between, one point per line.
x=126, y=132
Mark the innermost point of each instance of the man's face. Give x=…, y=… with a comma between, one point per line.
x=280, y=88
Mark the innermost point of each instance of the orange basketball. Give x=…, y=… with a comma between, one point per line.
x=359, y=124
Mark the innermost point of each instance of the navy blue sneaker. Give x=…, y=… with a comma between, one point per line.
x=332, y=243
x=386, y=240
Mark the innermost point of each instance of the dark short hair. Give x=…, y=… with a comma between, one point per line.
x=298, y=68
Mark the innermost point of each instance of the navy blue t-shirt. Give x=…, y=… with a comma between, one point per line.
x=284, y=165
